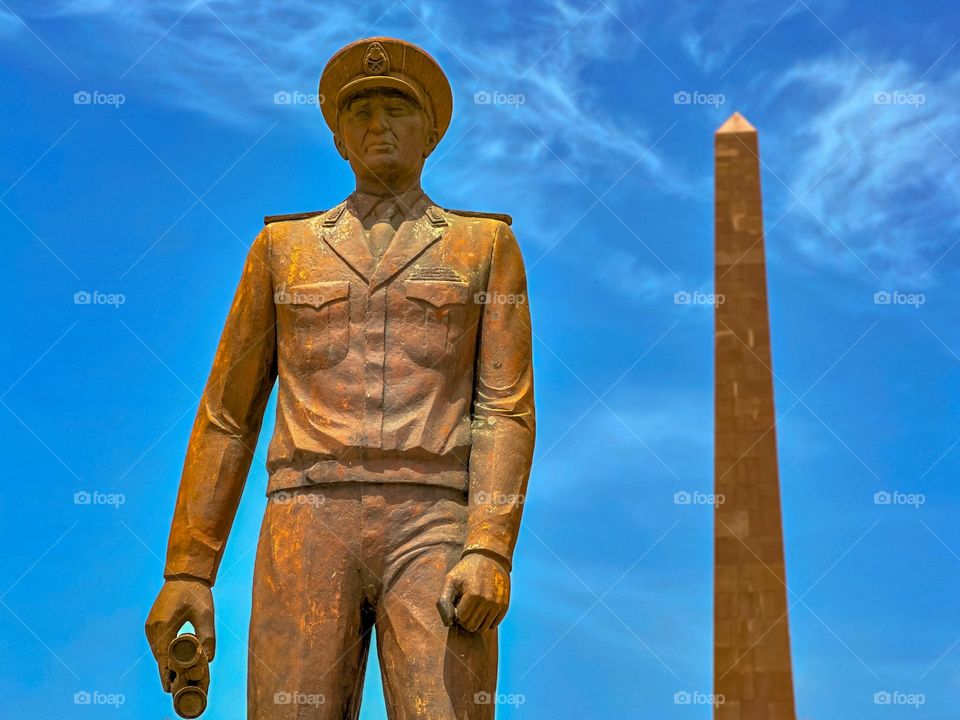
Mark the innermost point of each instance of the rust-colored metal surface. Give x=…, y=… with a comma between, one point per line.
x=189, y=675
x=752, y=669
x=399, y=335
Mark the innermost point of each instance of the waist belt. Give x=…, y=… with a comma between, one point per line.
x=363, y=465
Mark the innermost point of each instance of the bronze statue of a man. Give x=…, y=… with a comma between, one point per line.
x=400, y=334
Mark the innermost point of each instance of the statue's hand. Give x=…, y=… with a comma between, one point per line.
x=178, y=602
x=475, y=593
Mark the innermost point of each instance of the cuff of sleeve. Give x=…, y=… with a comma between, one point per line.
x=497, y=551
x=191, y=559
x=186, y=576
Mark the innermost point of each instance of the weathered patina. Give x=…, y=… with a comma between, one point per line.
x=399, y=335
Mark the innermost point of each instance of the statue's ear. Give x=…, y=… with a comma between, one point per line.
x=431, y=143
x=341, y=147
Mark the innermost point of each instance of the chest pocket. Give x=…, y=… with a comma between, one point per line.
x=319, y=315
x=436, y=312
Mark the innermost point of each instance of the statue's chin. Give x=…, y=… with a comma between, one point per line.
x=383, y=164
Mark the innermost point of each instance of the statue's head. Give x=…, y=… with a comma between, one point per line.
x=388, y=104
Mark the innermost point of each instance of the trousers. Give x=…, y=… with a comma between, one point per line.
x=333, y=564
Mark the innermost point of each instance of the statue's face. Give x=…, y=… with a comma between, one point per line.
x=385, y=136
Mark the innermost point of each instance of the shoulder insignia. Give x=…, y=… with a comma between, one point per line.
x=435, y=216
x=267, y=219
x=333, y=216
x=502, y=217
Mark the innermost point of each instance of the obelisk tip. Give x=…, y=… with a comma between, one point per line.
x=736, y=123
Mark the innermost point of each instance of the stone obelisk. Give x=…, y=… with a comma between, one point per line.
x=753, y=678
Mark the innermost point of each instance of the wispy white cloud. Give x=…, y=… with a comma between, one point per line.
x=872, y=161
x=851, y=184
x=638, y=279
x=716, y=34
x=878, y=182
x=560, y=108
x=227, y=60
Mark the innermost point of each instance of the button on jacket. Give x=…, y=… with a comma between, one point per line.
x=412, y=368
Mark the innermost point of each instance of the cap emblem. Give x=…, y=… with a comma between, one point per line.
x=375, y=61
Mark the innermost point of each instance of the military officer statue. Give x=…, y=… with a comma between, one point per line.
x=400, y=335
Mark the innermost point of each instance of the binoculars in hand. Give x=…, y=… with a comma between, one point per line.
x=189, y=675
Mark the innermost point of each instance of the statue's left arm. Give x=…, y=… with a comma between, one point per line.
x=504, y=422
x=476, y=592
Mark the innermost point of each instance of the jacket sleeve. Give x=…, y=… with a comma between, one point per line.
x=504, y=424
x=228, y=423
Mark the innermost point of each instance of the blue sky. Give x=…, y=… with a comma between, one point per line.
x=154, y=189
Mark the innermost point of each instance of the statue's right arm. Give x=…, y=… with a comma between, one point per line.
x=218, y=456
x=227, y=425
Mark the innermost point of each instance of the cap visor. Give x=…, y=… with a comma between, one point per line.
x=375, y=81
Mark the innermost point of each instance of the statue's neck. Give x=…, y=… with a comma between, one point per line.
x=388, y=189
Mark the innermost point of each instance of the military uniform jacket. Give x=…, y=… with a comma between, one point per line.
x=413, y=368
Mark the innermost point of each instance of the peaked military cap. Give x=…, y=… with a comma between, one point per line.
x=387, y=63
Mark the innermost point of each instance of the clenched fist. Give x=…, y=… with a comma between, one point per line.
x=475, y=593
x=178, y=602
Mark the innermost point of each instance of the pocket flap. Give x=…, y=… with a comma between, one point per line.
x=438, y=293
x=315, y=294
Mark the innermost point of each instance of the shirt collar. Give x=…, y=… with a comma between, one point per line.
x=366, y=202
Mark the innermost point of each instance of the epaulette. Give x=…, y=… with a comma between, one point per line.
x=435, y=216
x=267, y=219
x=502, y=217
